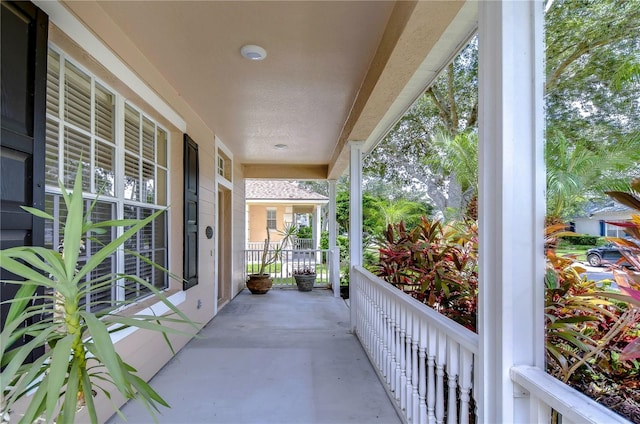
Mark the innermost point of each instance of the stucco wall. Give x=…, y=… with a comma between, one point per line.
x=258, y=222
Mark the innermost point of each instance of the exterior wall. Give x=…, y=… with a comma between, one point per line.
x=258, y=222
x=591, y=225
x=587, y=226
x=115, y=60
x=257, y=219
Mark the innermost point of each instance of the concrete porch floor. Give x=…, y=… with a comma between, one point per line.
x=283, y=357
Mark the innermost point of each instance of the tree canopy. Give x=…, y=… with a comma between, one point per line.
x=592, y=96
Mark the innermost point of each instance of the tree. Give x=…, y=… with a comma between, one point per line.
x=591, y=95
x=579, y=171
x=450, y=106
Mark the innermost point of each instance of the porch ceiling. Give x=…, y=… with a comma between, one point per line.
x=335, y=70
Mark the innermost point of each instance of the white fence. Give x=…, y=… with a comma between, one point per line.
x=258, y=245
x=426, y=359
x=281, y=271
x=298, y=243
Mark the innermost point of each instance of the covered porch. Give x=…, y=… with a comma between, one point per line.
x=283, y=357
x=311, y=357
x=302, y=357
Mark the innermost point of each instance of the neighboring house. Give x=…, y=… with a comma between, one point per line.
x=273, y=204
x=596, y=220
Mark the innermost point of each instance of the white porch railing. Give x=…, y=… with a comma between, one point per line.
x=281, y=271
x=298, y=243
x=426, y=359
x=258, y=245
x=429, y=363
x=545, y=393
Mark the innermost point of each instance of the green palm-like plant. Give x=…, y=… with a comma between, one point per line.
x=80, y=358
x=458, y=156
x=270, y=256
x=395, y=211
x=576, y=170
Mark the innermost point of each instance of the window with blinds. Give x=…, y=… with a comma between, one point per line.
x=272, y=222
x=102, y=292
x=124, y=158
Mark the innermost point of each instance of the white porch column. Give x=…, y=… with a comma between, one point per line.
x=511, y=203
x=334, y=259
x=317, y=232
x=355, y=218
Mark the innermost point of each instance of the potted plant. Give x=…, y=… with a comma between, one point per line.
x=260, y=282
x=79, y=358
x=305, y=278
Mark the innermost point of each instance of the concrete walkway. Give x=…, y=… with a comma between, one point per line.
x=283, y=357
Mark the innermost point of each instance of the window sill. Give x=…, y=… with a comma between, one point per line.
x=148, y=306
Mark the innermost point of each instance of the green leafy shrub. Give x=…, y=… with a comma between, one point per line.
x=435, y=264
x=590, y=333
x=581, y=240
x=304, y=232
x=343, y=244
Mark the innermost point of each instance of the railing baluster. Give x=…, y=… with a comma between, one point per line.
x=398, y=350
x=431, y=383
x=408, y=389
x=415, y=377
x=362, y=327
x=476, y=385
x=380, y=334
x=385, y=339
x=453, y=350
x=539, y=412
x=370, y=320
x=422, y=363
x=466, y=368
x=440, y=363
x=394, y=349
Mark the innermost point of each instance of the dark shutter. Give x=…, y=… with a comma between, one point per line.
x=190, y=213
x=22, y=140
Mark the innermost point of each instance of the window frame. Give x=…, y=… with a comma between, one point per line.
x=272, y=222
x=118, y=199
x=612, y=230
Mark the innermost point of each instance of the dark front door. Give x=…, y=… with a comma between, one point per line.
x=191, y=188
x=22, y=141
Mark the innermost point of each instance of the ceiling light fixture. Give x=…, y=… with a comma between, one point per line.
x=281, y=147
x=253, y=52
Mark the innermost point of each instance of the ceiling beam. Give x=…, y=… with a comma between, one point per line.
x=285, y=172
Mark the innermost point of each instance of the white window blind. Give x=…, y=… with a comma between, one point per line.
x=127, y=171
x=272, y=223
x=77, y=98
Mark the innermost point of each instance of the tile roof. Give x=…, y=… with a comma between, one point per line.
x=279, y=190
